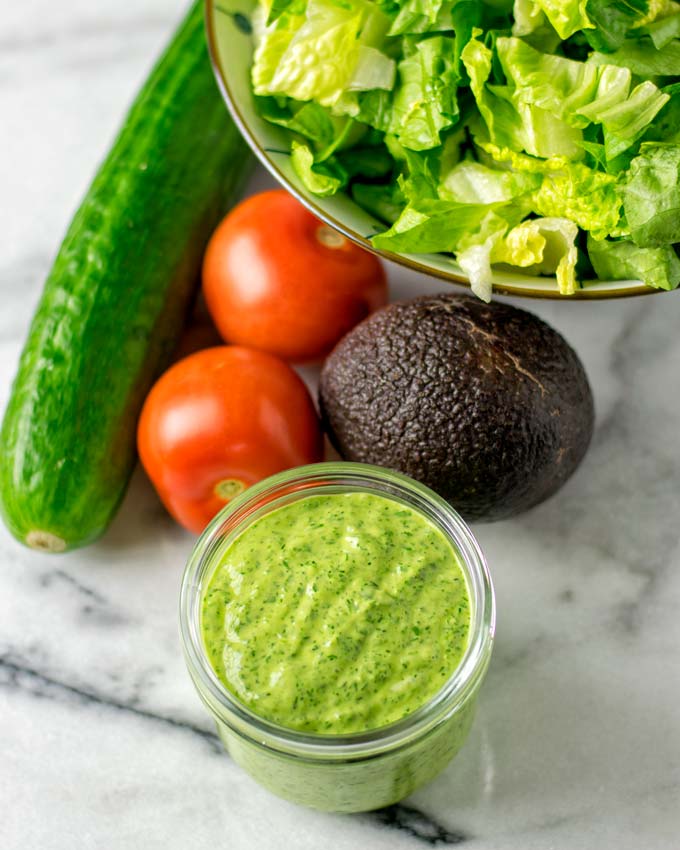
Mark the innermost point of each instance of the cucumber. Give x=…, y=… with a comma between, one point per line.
x=115, y=302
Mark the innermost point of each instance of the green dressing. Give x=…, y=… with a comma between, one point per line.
x=337, y=613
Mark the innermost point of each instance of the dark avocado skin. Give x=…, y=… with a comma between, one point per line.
x=484, y=403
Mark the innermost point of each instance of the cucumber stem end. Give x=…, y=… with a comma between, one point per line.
x=45, y=542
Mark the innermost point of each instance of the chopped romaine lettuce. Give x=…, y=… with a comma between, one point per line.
x=512, y=121
x=309, y=120
x=502, y=132
x=422, y=104
x=320, y=54
x=471, y=182
x=579, y=93
x=417, y=16
x=652, y=196
x=424, y=101
x=432, y=225
x=383, y=201
x=623, y=260
x=663, y=30
x=539, y=245
x=612, y=20
x=317, y=178
x=571, y=190
x=642, y=58
x=566, y=16
x=529, y=18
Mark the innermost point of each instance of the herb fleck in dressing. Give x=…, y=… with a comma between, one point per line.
x=337, y=613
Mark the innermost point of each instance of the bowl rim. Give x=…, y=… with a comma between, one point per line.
x=588, y=294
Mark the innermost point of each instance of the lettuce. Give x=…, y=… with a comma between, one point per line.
x=423, y=102
x=658, y=10
x=570, y=190
x=275, y=8
x=502, y=132
x=612, y=20
x=579, y=93
x=540, y=245
x=370, y=162
x=623, y=260
x=471, y=182
x=563, y=17
x=319, y=179
x=417, y=16
x=624, y=123
x=664, y=30
x=587, y=197
x=529, y=18
x=652, y=195
x=642, y=58
x=432, y=225
x=309, y=120
x=498, y=115
x=559, y=254
x=566, y=16
x=321, y=54
x=666, y=127
x=562, y=86
x=384, y=202
x=511, y=122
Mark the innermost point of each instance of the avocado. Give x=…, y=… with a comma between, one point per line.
x=484, y=403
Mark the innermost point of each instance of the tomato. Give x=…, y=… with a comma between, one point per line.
x=278, y=279
x=217, y=422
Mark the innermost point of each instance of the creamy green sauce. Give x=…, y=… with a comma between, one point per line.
x=336, y=613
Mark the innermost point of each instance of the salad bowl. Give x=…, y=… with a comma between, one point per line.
x=229, y=27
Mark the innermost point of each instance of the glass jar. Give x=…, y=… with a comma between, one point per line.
x=361, y=771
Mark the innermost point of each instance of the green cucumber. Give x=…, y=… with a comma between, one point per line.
x=115, y=302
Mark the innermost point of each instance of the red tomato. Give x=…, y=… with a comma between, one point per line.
x=278, y=279
x=217, y=422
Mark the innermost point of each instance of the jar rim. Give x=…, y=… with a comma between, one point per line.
x=337, y=476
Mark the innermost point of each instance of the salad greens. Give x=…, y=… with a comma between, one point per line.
x=540, y=134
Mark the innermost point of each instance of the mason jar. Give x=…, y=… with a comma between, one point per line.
x=359, y=771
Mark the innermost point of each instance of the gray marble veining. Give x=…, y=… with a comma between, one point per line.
x=103, y=742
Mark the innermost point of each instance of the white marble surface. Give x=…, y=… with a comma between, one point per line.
x=103, y=743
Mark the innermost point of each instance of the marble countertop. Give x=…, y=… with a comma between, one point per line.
x=103, y=742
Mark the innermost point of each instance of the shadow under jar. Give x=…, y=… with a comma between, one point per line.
x=365, y=769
